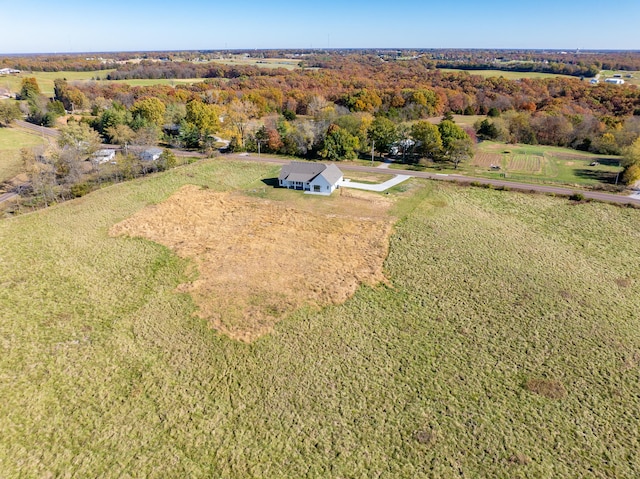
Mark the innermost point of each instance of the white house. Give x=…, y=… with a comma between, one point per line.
x=150, y=154
x=314, y=178
x=103, y=156
x=615, y=81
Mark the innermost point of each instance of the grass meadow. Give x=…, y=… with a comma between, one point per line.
x=509, y=75
x=12, y=140
x=45, y=79
x=506, y=344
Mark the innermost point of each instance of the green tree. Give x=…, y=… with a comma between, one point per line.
x=487, y=130
x=9, y=111
x=631, y=163
x=382, y=133
x=428, y=139
x=167, y=160
x=457, y=146
x=29, y=88
x=339, y=144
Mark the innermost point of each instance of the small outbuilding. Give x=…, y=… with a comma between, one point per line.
x=103, y=156
x=313, y=178
x=150, y=154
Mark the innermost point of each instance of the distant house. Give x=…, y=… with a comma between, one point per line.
x=594, y=81
x=103, y=156
x=315, y=178
x=615, y=81
x=9, y=71
x=150, y=154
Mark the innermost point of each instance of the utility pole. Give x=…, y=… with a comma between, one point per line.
x=373, y=144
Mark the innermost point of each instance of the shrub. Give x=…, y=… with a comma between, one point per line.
x=579, y=197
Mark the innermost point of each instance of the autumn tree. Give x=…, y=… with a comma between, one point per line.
x=79, y=137
x=150, y=111
x=41, y=171
x=9, y=111
x=29, y=88
x=239, y=114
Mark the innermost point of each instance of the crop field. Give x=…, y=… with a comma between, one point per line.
x=487, y=160
x=12, y=140
x=505, y=342
x=525, y=163
x=545, y=164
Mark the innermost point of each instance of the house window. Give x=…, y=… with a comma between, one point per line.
x=316, y=187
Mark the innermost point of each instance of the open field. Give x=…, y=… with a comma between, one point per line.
x=505, y=344
x=45, y=79
x=12, y=140
x=275, y=257
x=239, y=60
x=505, y=74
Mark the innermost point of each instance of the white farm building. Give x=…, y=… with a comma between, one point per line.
x=314, y=178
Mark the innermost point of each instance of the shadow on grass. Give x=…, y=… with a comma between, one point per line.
x=607, y=177
x=608, y=161
x=273, y=182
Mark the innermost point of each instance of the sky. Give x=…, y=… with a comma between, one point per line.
x=38, y=26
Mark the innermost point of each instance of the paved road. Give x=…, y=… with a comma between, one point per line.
x=558, y=190
x=527, y=187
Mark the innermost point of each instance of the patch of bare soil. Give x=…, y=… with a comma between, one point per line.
x=259, y=260
x=548, y=388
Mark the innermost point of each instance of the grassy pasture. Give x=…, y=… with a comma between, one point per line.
x=505, y=74
x=12, y=140
x=45, y=79
x=505, y=345
x=239, y=60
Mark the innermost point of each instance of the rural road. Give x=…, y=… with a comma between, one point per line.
x=526, y=187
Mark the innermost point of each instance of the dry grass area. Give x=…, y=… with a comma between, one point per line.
x=259, y=260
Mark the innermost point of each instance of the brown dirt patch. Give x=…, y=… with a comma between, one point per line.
x=259, y=260
x=548, y=388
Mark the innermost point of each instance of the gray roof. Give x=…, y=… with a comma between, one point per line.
x=299, y=171
x=332, y=174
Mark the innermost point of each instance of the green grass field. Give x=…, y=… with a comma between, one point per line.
x=45, y=79
x=105, y=372
x=544, y=164
x=238, y=60
x=505, y=74
x=12, y=140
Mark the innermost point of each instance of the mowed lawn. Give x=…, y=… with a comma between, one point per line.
x=12, y=140
x=106, y=372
